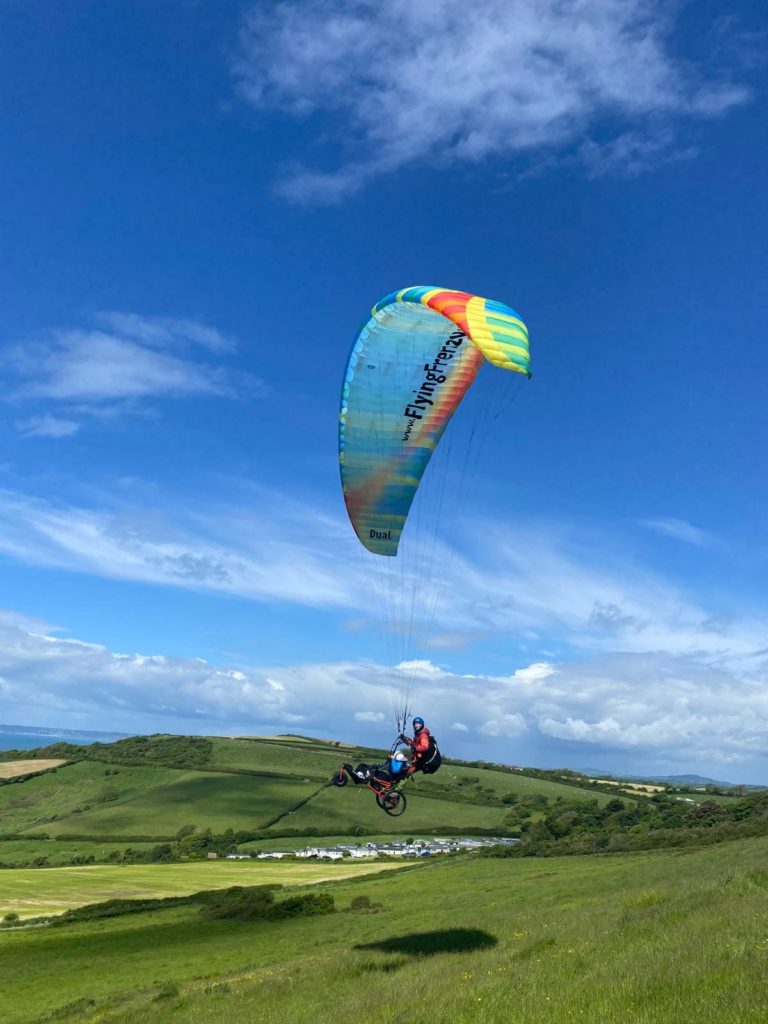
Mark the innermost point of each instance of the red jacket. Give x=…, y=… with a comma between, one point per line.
x=419, y=745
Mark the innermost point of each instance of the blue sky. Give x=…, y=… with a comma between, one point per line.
x=201, y=202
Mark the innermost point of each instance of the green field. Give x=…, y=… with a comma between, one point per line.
x=338, y=809
x=20, y=852
x=522, y=785
x=207, y=799
x=314, y=761
x=31, y=892
x=638, y=939
x=42, y=801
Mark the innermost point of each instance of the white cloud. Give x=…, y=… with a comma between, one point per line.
x=370, y=716
x=91, y=366
x=633, y=153
x=419, y=667
x=508, y=725
x=534, y=673
x=82, y=374
x=679, y=529
x=655, y=707
x=414, y=81
x=545, y=589
x=47, y=426
x=210, y=548
x=594, y=598
x=166, y=332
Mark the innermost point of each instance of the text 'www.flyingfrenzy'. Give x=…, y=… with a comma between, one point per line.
x=434, y=376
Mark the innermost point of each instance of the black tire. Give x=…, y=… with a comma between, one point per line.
x=392, y=803
x=339, y=778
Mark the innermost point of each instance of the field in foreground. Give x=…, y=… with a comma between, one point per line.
x=31, y=892
x=678, y=937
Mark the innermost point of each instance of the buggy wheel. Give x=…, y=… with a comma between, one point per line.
x=339, y=778
x=392, y=803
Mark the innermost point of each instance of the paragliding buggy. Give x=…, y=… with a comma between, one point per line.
x=384, y=785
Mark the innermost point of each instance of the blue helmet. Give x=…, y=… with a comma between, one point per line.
x=418, y=723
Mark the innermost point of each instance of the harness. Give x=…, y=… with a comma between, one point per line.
x=432, y=758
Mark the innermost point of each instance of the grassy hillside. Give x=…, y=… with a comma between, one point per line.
x=150, y=787
x=312, y=760
x=72, y=792
x=334, y=810
x=208, y=799
x=640, y=939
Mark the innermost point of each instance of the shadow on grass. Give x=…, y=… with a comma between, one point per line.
x=451, y=940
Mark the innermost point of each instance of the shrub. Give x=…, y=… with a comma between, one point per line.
x=309, y=905
x=239, y=903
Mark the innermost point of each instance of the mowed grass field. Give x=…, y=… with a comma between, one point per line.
x=35, y=891
x=12, y=769
x=657, y=938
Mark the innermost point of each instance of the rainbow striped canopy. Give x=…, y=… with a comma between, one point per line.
x=408, y=370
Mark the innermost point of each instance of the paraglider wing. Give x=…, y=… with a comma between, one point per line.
x=408, y=370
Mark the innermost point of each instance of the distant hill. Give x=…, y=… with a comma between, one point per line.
x=672, y=780
x=697, y=780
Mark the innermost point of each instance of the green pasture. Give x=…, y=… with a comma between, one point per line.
x=700, y=798
x=206, y=799
x=58, y=852
x=263, y=755
x=334, y=810
x=657, y=938
x=66, y=792
x=30, y=892
x=521, y=785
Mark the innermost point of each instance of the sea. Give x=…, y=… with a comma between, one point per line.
x=27, y=737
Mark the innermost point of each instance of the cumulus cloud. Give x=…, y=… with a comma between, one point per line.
x=419, y=667
x=656, y=708
x=370, y=716
x=84, y=373
x=508, y=725
x=420, y=81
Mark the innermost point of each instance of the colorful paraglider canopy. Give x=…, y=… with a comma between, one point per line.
x=408, y=370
